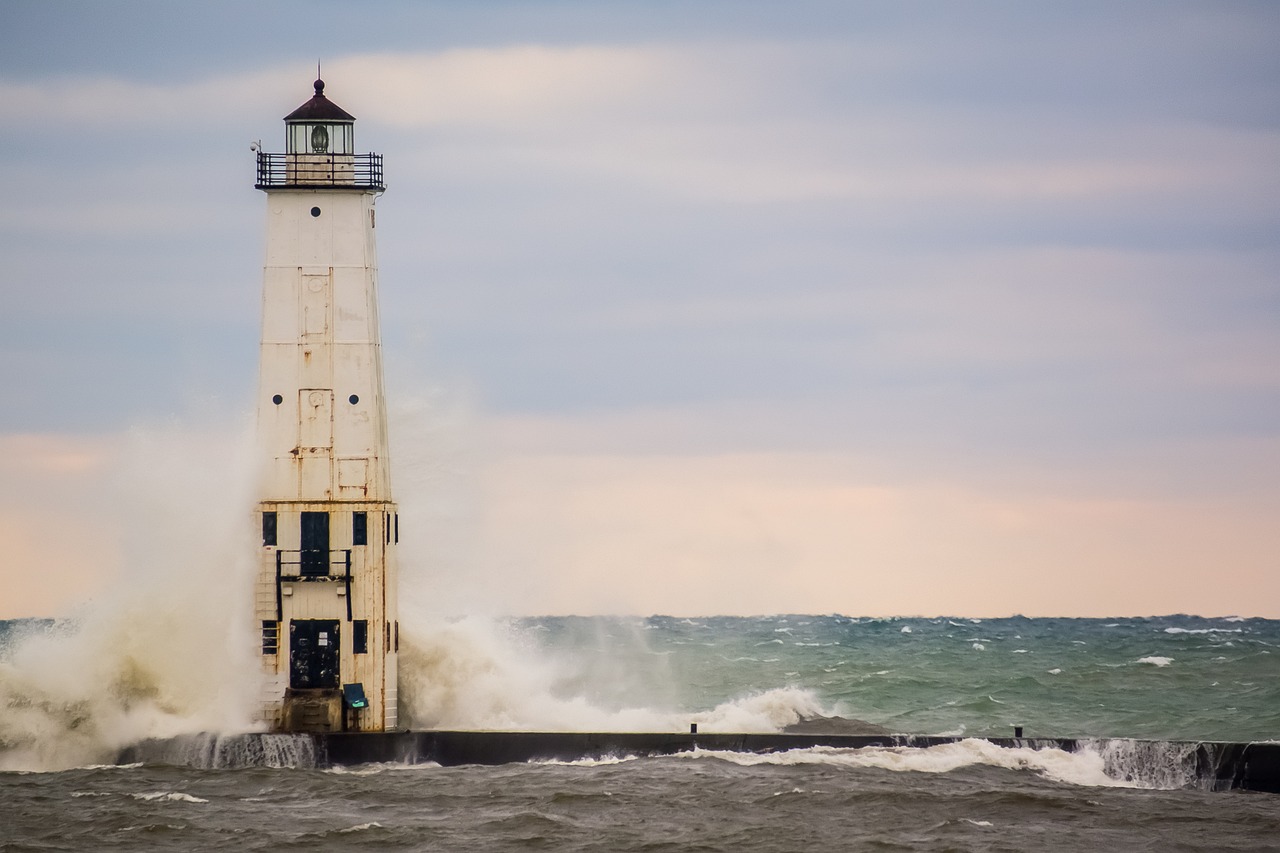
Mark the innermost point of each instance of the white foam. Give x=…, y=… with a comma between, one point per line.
x=379, y=768
x=1156, y=660
x=361, y=827
x=979, y=647
x=906, y=629
x=603, y=761
x=169, y=796
x=1204, y=630
x=1085, y=768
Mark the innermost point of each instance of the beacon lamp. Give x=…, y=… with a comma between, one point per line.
x=319, y=139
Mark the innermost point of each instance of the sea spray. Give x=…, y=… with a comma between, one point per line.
x=477, y=673
x=168, y=648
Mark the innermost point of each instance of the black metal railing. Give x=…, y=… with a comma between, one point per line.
x=313, y=565
x=310, y=171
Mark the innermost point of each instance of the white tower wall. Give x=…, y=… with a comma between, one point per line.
x=326, y=592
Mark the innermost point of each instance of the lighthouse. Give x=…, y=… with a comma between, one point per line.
x=326, y=588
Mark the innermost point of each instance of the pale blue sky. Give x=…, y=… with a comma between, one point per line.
x=995, y=247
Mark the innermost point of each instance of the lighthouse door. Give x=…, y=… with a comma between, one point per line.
x=313, y=653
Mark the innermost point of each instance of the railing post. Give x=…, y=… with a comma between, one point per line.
x=279, y=598
x=348, y=579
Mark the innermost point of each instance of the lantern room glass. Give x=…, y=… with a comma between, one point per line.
x=320, y=138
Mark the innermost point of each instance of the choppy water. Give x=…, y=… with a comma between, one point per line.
x=1176, y=677
x=1180, y=678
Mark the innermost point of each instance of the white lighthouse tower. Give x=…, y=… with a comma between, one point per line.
x=326, y=591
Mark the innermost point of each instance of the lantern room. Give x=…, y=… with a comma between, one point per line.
x=319, y=127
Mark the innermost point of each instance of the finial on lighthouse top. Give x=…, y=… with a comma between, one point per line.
x=320, y=108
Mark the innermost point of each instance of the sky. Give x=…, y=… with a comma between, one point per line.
x=873, y=308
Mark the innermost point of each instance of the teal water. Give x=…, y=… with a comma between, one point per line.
x=1174, y=677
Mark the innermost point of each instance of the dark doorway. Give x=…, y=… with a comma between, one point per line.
x=315, y=544
x=313, y=653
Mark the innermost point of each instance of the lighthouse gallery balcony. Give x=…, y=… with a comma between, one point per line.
x=320, y=171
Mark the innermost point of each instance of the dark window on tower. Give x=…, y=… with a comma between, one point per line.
x=397, y=635
x=360, y=637
x=315, y=544
x=268, y=528
x=360, y=528
x=386, y=521
x=397, y=528
x=270, y=637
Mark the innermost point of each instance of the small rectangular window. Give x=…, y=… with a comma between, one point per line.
x=268, y=528
x=360, y=528
x=397, y=635
x=386, y=522
x=388, y=646
x=270, y=637
x=360, y=637
x=397, y=528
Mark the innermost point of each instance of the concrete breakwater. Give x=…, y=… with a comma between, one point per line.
x=1210, y=765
